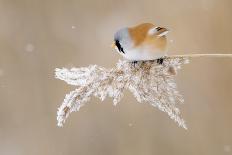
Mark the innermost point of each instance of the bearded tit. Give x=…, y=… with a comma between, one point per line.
x=142, y=42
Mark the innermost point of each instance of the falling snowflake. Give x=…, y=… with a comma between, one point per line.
x=29, y=47
x=148, y=81
x=73, y=27
x=227, y=148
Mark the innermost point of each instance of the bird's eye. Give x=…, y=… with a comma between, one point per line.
x=117, y=43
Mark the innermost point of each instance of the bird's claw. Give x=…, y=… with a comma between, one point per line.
x=134, y=63
x=160, y=61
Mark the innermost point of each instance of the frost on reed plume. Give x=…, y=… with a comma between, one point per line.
x=148, y=81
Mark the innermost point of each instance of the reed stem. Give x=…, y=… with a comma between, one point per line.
x=201, y=55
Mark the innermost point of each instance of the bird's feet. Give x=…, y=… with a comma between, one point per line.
x=134, y=63
x=160, y=61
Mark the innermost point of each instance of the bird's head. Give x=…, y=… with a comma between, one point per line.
x=122, y=40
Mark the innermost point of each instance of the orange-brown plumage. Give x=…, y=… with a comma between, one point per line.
x=140, y=37
x=139, y=32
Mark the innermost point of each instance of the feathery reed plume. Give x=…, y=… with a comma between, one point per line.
x=148, y=81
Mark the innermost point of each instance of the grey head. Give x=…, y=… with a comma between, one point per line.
x=122, y=40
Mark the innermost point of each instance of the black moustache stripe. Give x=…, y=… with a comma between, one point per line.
x=119, y=46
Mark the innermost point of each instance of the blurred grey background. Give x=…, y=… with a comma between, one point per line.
x=36, y=36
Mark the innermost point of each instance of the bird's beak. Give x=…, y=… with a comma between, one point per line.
x=113, y=45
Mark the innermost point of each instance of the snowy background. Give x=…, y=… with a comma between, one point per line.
x=37, y=36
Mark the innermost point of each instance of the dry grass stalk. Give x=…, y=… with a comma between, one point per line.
x=148, y=81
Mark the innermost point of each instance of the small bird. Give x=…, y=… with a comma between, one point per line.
x=142, y=42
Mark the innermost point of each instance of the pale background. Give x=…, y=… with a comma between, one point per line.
x=36, y=36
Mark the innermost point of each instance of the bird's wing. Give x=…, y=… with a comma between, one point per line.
x=158, y=31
